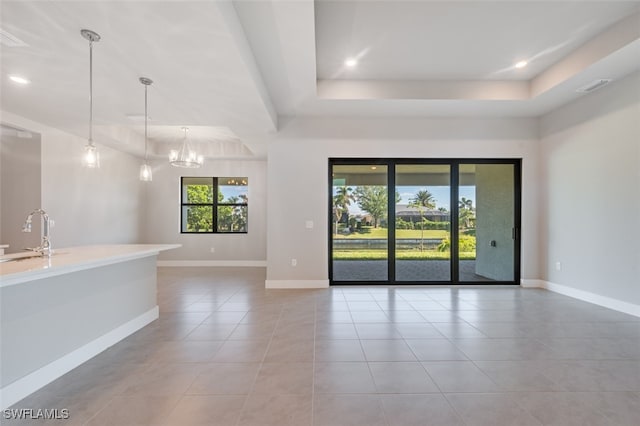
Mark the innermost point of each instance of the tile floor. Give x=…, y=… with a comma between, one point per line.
x=225, y=351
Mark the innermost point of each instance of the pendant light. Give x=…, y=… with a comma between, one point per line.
x=91, y=157
x=145, y=170
x=186, y=157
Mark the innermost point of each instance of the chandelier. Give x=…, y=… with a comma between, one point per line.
x=186, y=156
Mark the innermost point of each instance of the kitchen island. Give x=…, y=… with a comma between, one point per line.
x=58, y=312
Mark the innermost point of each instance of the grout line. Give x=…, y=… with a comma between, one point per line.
x=313, y=361
x=261, y=363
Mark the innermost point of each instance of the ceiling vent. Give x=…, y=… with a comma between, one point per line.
x=594, y=85
x=9, y=40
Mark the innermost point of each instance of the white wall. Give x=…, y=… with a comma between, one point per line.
x=162, y=215
x=590, y=158
x=298, y=178
x=20, y=190
x=99, y=206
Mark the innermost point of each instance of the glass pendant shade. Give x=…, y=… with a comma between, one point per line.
x=91, y=157
x=146, y=175
x=186, y=156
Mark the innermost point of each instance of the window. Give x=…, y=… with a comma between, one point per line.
x=214, y=205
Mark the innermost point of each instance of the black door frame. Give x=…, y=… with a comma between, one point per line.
x=454, y=164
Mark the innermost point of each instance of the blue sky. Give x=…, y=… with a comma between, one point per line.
x=232, y=190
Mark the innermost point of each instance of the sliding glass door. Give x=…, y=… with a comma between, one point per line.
x=359, y=228
x=401, y=221
x=486, y=222
x=423, y=222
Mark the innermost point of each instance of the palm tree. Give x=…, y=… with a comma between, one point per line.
x=341, y=202
x=465, y=203
x=423, y=199
x=466, y=211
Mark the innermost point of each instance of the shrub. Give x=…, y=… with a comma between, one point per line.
x=466, y=244
x=429, y=224
x=402, y=224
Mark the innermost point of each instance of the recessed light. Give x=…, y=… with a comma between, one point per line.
x=18, y=79
x=521, y=64
x=351, y=62
x=373, y=167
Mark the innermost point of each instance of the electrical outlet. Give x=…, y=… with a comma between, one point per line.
x=308, y=224
x=52, y=223
x=558, y=266
x=294, y=262
x=213, y=249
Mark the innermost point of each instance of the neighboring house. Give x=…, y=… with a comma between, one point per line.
x=412, y=214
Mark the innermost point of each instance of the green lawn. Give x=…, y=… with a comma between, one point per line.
x=372, y=254
x=401, y=233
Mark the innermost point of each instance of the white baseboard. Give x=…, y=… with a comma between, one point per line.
x=296, y=284
x=237, y=263
x=30, y=383
x=532, y=283
x=587, y=296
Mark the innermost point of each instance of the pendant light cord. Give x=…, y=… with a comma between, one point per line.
x=90, y=92
x=146, y=117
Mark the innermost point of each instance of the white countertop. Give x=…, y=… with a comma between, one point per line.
x=72, y=259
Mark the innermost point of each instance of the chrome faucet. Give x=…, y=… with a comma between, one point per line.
x=45, y=245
